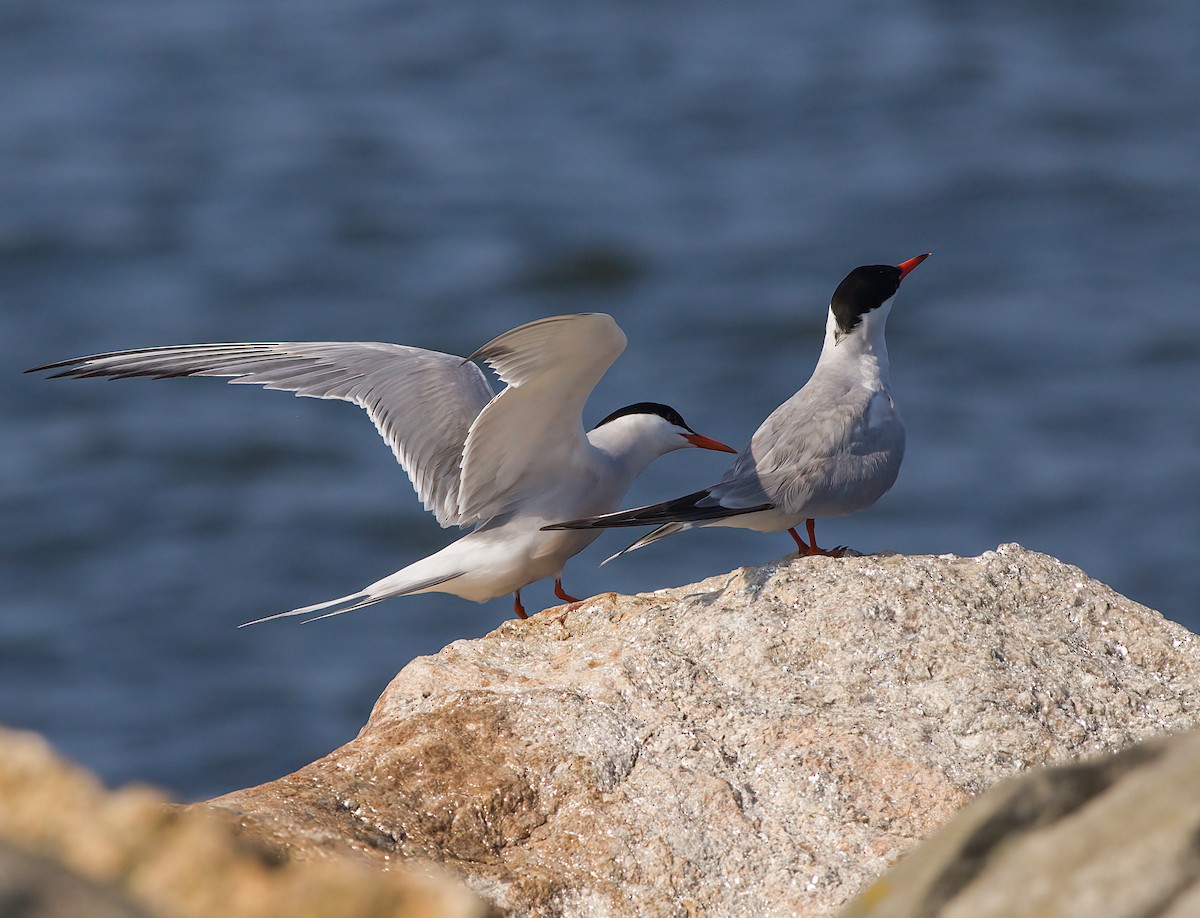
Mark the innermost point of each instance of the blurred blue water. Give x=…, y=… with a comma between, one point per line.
x=435, y=173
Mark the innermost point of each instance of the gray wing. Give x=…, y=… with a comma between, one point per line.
x=531, y=436
x=816, y=446
x=422, y=402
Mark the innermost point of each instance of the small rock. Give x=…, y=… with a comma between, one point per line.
x=31, y=887
x=65, y=840
x=1117, y=836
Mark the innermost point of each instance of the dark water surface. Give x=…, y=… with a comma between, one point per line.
x=434, y=173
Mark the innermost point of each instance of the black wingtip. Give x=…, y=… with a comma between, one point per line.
x=51, y=366
x=570, y=524
x=680, y=510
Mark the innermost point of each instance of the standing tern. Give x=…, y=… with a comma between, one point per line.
x=831, y=449
x=506, y=464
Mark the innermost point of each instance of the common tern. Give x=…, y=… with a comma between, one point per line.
x=831, y=449
x=505, y=464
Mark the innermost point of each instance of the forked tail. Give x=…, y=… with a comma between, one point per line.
x=376, y=592
x=661, y=532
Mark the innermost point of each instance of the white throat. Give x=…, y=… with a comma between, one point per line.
x=861, y=350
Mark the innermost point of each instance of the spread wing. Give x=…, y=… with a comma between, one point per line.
x=423, y=403
x=532, y=433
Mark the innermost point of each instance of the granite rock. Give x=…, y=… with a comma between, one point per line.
x=767, y=741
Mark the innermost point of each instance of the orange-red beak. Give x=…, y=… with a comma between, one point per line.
x=707, y=443
x=907, y=266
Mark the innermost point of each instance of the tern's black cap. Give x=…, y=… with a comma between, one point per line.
x=666, y=412
x=867, y=288
x=862, y=290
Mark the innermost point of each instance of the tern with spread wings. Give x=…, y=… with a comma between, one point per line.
x=505, y=464
x=833, y=448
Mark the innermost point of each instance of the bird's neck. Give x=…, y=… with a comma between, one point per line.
x=862, y=351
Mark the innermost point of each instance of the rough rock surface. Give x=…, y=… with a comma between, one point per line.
x=1117, y=836
x=764, y=742
x=68, y=847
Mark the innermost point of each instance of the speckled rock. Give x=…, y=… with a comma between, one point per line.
x=68, y=847
x=764, y=742
x=1117, y=836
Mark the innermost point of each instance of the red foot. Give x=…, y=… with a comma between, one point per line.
x=561, y=593
x=517, y=607
x=810, y=548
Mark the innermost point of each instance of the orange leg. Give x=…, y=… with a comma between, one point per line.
x=801, y=545
x=517, y=607
x=814, y=549
x=561, y=593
